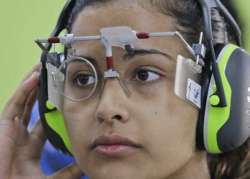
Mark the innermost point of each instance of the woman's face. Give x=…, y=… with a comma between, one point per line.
x=148, y=133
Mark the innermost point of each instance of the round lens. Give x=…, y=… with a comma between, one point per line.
x=80, y=78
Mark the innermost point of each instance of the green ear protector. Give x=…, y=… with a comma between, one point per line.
x=223, y=123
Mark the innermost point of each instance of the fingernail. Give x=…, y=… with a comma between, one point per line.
x=34, y=75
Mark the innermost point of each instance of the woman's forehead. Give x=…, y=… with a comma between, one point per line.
x=93, y=18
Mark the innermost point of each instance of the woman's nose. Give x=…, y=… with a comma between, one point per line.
x=113, y=103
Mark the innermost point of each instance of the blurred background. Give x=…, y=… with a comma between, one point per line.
x=22, y=21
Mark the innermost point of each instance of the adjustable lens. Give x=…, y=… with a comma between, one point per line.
x=76, y=79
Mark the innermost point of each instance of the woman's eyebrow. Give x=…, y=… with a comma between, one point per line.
x=132, y=52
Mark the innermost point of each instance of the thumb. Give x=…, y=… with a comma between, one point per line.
x=70, y=172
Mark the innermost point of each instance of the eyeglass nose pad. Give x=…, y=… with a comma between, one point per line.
x=124, y=87
x=114, y=74
x=121, y=82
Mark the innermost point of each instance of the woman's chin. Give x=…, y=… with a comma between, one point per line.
x=115, y=171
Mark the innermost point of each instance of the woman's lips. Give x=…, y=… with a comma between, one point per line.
x=114, y=146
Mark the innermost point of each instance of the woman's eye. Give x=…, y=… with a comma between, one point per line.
x=145, y=75
x=84, y=80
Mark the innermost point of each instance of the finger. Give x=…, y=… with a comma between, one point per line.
x=37, y=141
x=71, y=172
x=15, y=105
x=29, y=107
x=30, y=145
x=9, y=130
x=7, y=109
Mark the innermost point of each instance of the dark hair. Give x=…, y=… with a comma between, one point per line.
x=234, y=164
x=189, y=22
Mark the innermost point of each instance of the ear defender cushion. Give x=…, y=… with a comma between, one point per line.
x=226, y=128
x=52, y=119
x=55, y=121
x=205, y=80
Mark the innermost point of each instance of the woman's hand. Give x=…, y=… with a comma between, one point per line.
x=20, y=150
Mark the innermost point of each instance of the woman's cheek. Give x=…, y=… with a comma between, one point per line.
x=77, y=123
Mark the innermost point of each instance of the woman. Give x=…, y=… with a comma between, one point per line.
x=133, y=130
